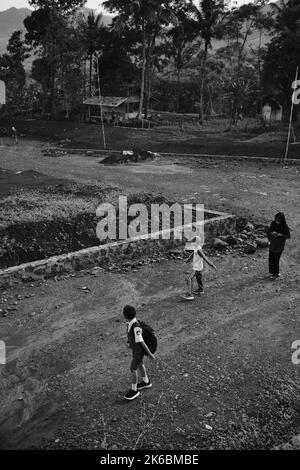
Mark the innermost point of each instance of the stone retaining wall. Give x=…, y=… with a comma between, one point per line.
x=105, y=255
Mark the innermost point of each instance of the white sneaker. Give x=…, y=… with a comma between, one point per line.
x=188, y=297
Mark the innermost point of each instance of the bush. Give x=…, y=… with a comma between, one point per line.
x=144, y=123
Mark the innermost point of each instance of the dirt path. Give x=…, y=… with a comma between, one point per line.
x=211, y=138
x=223, y=375
x=256, y=190
x=215, y=355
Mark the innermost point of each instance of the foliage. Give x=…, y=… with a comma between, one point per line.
x=12, y=69
x=65, y=6
x=166, y=49
x=148, y=17
x=283, y=53
x=53, y=35
x=117, y=69
x=206, y=22
x=241, y=82
x=93, y=34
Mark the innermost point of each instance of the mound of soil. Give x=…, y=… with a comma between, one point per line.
x=21, y=243
x=41, y=239
x=29, y=179
x=128, y=156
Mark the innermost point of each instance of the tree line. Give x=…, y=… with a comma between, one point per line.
x=199, y=57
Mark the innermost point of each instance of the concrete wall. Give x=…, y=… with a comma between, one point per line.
x=106, y=255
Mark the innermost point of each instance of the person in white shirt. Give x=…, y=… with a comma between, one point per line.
x=197, y=255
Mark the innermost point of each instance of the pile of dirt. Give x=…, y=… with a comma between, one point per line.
x=36, y=240
x=25, y=242
x=54, y=153
x=128, y=156
x=10, y=181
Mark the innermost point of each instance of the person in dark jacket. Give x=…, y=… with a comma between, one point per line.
x=277, y=235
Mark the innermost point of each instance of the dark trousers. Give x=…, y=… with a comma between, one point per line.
x=274, y=262
x=198, y=276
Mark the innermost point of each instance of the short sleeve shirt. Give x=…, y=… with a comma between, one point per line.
x=197, y=260
x=138, y=332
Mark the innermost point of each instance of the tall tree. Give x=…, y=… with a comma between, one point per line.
x=157, y=26
x=146, y=16
x=241, y=23
x=206, y=20
x=283, y=52
x=45, y=26
x=116, y=61
x=12, y=68
x=179, y=38
x=93, y=32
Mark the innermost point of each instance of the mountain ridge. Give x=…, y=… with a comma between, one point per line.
x=12, y=20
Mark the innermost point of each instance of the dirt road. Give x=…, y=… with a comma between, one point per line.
x=217, y=357
x=223, y=377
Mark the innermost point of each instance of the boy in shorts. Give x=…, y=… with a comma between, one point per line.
x=198, y=256
x=139, y=350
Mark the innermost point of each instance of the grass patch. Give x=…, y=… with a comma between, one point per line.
x=34, y=206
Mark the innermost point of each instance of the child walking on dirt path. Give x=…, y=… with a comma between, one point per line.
x=198, y=256
x=139, y=350
x=277, y=234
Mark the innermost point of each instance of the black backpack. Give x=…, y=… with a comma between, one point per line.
x=148, y=335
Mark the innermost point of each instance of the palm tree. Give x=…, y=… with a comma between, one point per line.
x=162, y=16
x=180, y=35
x=206, y=21
x=145, y=15
x=94, y=27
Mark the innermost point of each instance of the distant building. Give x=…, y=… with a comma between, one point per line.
x=114, y=108
x=271, y=110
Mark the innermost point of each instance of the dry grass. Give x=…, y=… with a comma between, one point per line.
x=32, y=206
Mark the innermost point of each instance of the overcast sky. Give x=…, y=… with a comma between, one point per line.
x=5, y=4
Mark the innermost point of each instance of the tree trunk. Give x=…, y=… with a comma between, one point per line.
x=212, y=111
x=178, y=91
x=90, y=76
x=259, y=59
x=201, y=107
x=149, y=91
x=52, y=92
x=235, y=110
x=146, y=98
x=84, y=79
x=140, y=115
x=146, y=88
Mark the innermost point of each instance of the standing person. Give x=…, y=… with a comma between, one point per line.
x=14, y=134
x=139, y=350
x=277, y=233
x=198, y=256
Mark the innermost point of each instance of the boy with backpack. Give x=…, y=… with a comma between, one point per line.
x=142, y=342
